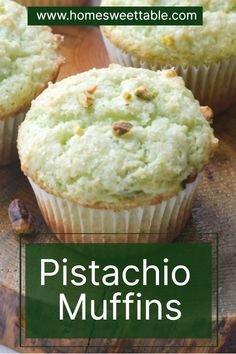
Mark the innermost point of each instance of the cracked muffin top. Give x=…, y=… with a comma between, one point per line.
x=184, y=45
x=28, y=59
x=120, y=136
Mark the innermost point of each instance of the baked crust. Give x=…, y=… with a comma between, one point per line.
x=120, y=45
x=119, y=202
x=151, y=58
x=122, y=205
x=55, y=71
x=125, y=204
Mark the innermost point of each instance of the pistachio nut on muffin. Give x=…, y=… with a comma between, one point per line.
x=204, y=55
x=29, y=60
x=116, y=150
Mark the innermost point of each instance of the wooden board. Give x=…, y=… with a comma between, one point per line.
x=214, y=210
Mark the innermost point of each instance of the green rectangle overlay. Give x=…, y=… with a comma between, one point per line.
x=119, y=290
x=119, y=16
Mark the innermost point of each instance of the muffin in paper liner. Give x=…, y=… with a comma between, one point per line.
x=51, y=2
x=212, y=84
x=103, y=168
x=90, y=225
x=8, y=135
x=26, y=72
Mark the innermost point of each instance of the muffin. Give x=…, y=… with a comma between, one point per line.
x=116, y=150
x=51, y=2
x=29, y=60
x=204, y=55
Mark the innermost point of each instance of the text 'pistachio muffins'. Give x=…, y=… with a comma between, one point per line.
x=28, y=61
x=116, y=150
x=204, y=55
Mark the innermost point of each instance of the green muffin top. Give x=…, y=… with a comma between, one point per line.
x=119, y=136
x=28, y=58
x=184, y=45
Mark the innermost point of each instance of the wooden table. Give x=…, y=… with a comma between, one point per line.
x=214, y=209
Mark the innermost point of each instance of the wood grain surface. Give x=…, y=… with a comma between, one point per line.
x=214, y=211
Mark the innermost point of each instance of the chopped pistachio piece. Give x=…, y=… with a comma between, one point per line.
x=121, y=128
x=145, y=94
x=207, y=113
x=86, y=100
x=127, y=96
x=168, y=40
x=78, y=130
x=171, y=73
x=92, y=89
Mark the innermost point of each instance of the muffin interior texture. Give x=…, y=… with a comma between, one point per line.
x=28, y=58
x=115, y=135
x=184, y=45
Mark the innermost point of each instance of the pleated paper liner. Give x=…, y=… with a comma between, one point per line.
x=8, y=135
x=101, y=225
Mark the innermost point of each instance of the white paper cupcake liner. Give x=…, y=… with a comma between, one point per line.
x=8, y=135
x=66, y=217
x=51, y=2
x=212, y=84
